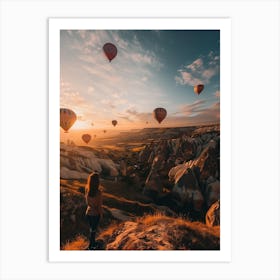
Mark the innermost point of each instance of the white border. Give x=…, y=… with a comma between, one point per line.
x=55, y=25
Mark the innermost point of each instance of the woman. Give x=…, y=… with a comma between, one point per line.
x=94, y=206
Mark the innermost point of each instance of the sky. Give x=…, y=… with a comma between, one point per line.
x=153, y=68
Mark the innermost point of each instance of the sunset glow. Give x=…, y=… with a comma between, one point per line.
x=152, y=69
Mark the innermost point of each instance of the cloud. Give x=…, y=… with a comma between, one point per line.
x=210, y=114
x=144, y=58
x=72, y=99
x=67, y=95
x=82, y=33
x=187, y=78
x=90, y=44
x=196, y=113
x=208, y=74
x=133, y=68
x=90, y=89
x=196, y=66
x=200, y=71
x=125, y=118
x=113, y=103
x=129, y=77
x=189, y=114
x=132, y=115
x=194, y=108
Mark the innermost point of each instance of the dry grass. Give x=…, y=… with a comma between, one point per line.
x=80, y=243
x=154, y=232
x=160, y=232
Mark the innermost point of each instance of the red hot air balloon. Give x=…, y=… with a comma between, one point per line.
x=198, y=89
x=114, y=122
x=86, y=138
x=110, y=51
x=67, y=118
x=159, y=114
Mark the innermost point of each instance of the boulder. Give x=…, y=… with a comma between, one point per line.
x=187, y=186
x=78, y=162
x=179, y=170
x=208, y=161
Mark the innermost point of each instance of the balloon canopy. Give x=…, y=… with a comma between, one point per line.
x=86, y=138
x=67, y=118
x=110, y=51
x=159, y=114
x=114, y=122
x=198, y=89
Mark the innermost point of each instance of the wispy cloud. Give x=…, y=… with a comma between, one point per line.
x=114, y=100
x=132, y=115
x=130, y=73
x=194, y=108
x=196, y=113
x=71, y=98
x=186, y=78
x=134, y=83
x=189, y=114
x=90, y=44
x=200, y=71
x=196, y=66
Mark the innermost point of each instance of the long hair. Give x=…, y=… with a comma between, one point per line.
x=93, y=184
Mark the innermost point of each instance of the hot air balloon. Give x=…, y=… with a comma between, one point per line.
x=147, y=122
x=67, y=118
x=110, y=51
x=92, y=124
x=94, y=135
x=198, y=89
x=104, y=131
x=114, y=122
x=159, y=114
x=86, y=138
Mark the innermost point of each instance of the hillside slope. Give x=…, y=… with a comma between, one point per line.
x=155, y=232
